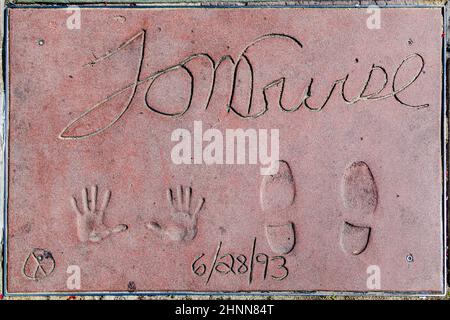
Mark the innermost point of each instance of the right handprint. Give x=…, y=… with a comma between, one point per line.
x=183, y=224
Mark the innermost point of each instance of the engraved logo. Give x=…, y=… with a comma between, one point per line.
x=39, y=264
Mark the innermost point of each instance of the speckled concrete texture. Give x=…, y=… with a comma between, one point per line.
x=121, y=173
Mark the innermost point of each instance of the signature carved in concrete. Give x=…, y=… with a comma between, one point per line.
x=87, y=125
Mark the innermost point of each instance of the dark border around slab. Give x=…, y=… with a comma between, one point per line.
x=47, y=4
x=328, y=3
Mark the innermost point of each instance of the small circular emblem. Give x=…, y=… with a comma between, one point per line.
x=39, y=264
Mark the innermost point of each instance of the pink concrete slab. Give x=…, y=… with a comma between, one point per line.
x=96, y=202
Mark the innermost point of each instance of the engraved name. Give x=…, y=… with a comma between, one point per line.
x=89, y=118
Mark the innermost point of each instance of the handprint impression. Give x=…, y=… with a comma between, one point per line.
x=90, y=218
x=183, y=224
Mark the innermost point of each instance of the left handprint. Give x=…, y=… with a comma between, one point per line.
x=90, y=223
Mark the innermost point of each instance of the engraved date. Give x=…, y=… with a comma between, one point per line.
x=225, y=263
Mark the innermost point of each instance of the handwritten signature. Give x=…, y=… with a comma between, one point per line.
x=71, y=131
